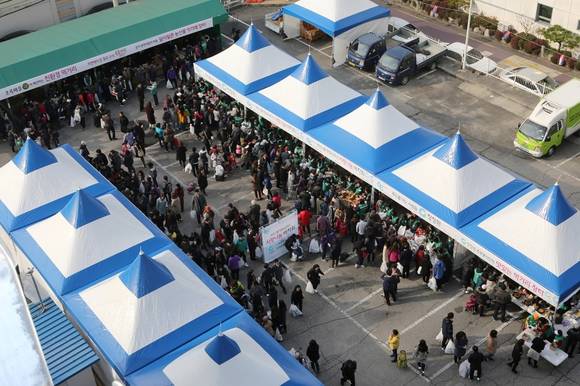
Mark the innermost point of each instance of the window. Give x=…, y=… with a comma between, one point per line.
x=544, y=13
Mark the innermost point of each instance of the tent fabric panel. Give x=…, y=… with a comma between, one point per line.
x=360, y=18
x=61, y=284
x=156, y=374
x=125, y=363
x=43, y=209
x=322, y=23
x=314, y=121
x=376, y=160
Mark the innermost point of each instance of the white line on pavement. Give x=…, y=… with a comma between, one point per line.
x=363, y=300
x=382, y=344
x=568, y=159
x=425, y=74
x=432, y=312
x=164, y=168
x=450, y=364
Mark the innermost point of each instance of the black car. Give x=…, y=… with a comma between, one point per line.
x=366, y=50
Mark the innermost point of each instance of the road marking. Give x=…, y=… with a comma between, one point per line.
x=568, y=159
x=481, y=341
x=556, y=169
x=369, y=333
x=432, y=312
x=173, y=176
x=364, y=300
x=425, y=74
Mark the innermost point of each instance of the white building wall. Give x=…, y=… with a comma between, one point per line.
x=515, y=12
x=41, y=15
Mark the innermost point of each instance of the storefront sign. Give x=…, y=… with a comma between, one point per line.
x=99, y=60
x=275, y=235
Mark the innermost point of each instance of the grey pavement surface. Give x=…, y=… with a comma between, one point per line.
x=349, y=318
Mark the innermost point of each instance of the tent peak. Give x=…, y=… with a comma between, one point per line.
x=83, y=209
x=309, y=71
x=145, y=275
x=456, y=152
x=222, y=348
x=552, y=205
x=378, y=100
x=32, y=157
x=252, y=40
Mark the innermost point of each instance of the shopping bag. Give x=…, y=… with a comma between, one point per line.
x=224, y=283
x=286, y=277
x=450, y=348
x=295, y=311
x=309, y=287
x=193, y=215
x=401, y=231
x=432, y=284
x=384, y=267
x=259, y=252
x=464, y=369
x=533, y=354
x=314, y=246
x=278, y=336
x=439, y=337
x=188, y=168
x=212, y=236
x=169, y=85
x=400, y=267
x=420, y=270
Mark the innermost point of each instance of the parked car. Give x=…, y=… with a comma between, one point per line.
x=366, y=50
x=529, y=80
x=474, y=60
x=401, y=31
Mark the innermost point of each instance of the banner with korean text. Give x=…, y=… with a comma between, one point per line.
x=274, y=236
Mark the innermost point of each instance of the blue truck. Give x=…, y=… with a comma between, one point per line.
x=398, y=64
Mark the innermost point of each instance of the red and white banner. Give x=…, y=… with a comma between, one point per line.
x=99, y=60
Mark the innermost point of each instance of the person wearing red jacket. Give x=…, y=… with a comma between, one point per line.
x=304, y=221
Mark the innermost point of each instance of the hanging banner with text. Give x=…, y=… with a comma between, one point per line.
x=274, y=236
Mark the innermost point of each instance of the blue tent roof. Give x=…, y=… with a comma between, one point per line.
x=456, y=153
x=227, y=373
x=309, y=71
x=32, y=157
x=552, y=206
x=377, y=101
x=82, y=209
x=145, y=275
x=252, y=40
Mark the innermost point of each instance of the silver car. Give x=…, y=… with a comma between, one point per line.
x=530, y=80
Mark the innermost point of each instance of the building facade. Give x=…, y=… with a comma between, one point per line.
x=532, y=15
x=18, y=17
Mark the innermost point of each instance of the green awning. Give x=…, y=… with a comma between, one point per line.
x=41, y=57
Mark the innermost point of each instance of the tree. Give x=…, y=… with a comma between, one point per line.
x=562, y=36
x=528, y=24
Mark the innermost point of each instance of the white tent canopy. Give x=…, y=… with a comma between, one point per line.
x=342, y=20
x=376, y=136
x=249, y=65
x=150, y=308
x=88, y=239
x=447, y=181
x=308, y=97
x=537, y=236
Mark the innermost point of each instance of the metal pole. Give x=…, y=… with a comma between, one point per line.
x=463, y=62
x=115, y=3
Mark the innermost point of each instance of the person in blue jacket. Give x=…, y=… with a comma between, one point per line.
x=439, y=272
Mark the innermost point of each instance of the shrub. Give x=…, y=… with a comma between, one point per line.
x=533, y=47
x=515, y=42
x=463, y=21
x=498, y=35
x=555, y=57
x=571, y=63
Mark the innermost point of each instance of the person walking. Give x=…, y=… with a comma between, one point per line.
x=572, y=340
x=297, y=297
x=421, y=353
x=501, y=298
x=491, y=345
x=390, y=286
x=153, y=89
x=439, y=272
x=141, y=96
x=393, y=342
x=517, y=353
x=313, y=353
x=447, y=329
x=348, y=370
x=202, y=181
x=475, y=359
x=461, y=342
x=123, y=122
x=314, y=276
x=198, y=204
x=538, y=345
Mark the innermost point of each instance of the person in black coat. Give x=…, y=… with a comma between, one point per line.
x=475, y=360
x=447, y=329
x=538, y=345
x=390, y=286
x=314, y=276
x=517, y=352
x=406, y=257
x=202, y=181
x=313, y=353
x=297, y=297
x=571, y=341
x=348, y=370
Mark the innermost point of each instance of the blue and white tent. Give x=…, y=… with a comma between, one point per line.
x=156, y=304
x=88, y=239
x=37, y=183
x=249, y=65
x=335, y=17
x=308, y=97
x=535, y=237
x=342, y=20
x=453, y=183
x=376, y=136
x=238, y=353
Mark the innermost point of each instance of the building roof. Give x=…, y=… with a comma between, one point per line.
x=65, y=350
